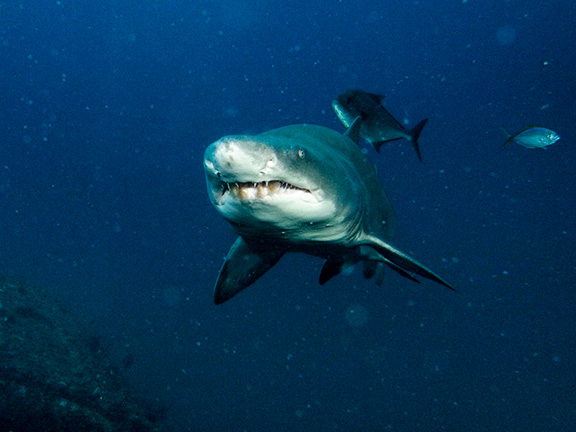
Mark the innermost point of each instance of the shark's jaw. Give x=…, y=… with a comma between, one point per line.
x=252, y=191
x=262, y=189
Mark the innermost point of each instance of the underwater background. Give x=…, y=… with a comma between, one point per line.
x=106, y=109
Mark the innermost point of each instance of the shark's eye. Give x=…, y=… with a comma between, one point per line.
x=301, y=154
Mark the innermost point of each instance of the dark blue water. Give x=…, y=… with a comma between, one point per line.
x=107, y=107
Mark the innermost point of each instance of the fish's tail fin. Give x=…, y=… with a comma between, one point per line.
x=509, y=140
x=415, y=134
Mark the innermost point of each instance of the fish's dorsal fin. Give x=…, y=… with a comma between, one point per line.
x=353, y=131
x=378, y=98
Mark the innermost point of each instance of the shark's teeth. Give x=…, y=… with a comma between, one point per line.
x=246, y=190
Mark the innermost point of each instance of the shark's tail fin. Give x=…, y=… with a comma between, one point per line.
x=415, y=134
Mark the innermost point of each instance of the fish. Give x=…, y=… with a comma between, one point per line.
x=533, y=137
x=378, y=125
x=302, y=188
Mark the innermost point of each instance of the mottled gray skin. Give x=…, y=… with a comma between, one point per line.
x=331, y=204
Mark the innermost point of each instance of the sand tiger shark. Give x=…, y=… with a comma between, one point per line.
x=302, y=188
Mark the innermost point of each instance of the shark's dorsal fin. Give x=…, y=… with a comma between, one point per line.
x=353, y=132
x=244, y=264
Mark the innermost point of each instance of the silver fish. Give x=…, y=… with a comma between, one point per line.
x=378, y=125
x=533, y=137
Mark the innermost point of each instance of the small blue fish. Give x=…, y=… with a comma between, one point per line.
x=533, y=137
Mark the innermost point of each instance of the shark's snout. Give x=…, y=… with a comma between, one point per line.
x=239, y=160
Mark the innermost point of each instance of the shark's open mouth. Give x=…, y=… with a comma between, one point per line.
x=258, y=190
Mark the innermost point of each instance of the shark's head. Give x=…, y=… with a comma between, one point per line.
x=274, y=186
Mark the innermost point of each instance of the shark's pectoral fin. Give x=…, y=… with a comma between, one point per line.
x=374, y=266
x=403, y=263
x=244, y=264
x=401, y=271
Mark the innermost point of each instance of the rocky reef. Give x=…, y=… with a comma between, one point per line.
x=53, y=377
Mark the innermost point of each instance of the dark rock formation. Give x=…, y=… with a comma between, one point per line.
x=51, y=377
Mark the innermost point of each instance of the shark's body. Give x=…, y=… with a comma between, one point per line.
x=301, y=188
x=378, y=125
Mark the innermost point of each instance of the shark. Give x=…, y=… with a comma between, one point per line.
x=302, y=188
